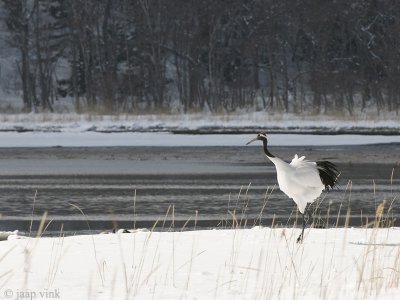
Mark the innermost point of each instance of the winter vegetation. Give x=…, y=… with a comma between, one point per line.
x=120, y=56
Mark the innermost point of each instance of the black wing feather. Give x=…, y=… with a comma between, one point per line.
x=328, y=173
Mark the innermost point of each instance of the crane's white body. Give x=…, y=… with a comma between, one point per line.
x=299, y=180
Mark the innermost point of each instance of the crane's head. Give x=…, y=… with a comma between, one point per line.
x=262, y=136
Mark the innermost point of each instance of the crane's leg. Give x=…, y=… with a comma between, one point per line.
x=300, y=238
x=310, y=216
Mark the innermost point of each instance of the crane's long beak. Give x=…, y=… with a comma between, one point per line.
x=253, y=140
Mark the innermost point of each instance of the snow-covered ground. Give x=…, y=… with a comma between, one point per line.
x=258, y=263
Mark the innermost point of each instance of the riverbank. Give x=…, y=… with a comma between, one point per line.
x=203, y=123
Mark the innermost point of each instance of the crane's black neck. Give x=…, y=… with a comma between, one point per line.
x=266, y=151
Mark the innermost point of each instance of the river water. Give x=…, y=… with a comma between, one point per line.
x=93, y=189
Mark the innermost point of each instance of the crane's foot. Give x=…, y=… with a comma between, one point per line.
x=300, y=238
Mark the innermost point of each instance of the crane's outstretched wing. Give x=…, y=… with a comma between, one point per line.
x=305, y=172
x=297, y=160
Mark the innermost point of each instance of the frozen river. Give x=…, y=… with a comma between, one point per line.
x=136, y=185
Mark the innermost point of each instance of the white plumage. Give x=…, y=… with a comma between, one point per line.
x=301, y=180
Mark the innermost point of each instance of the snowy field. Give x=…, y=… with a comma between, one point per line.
x=258, y=263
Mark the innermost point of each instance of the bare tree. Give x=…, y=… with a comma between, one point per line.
x=19, y=24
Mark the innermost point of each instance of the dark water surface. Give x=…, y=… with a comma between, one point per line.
x=137, y=186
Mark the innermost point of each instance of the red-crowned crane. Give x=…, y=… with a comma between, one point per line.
x=301, y=180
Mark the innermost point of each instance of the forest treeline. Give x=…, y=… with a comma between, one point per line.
x=196, y=55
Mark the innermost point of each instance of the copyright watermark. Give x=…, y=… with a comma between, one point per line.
x=31, y=294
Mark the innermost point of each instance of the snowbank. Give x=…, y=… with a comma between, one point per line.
x=258, y=263
x=200, y=123
x=49, y=130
